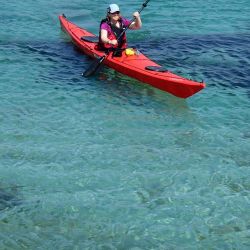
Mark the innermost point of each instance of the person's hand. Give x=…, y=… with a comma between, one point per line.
x=113, y=42
x=136, y=14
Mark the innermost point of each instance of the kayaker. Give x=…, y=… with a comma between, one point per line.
x=112, y=26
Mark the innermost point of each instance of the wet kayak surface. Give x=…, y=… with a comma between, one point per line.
x=109, y=163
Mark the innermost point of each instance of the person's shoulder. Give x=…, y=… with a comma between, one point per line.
x=125, y=21
x=104, y=24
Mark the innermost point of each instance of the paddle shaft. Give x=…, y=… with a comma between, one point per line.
x=143, y=6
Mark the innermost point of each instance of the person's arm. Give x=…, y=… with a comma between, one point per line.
x=137, y=23
x=104, y=38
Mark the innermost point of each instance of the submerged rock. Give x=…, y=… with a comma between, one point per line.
x=9, y=198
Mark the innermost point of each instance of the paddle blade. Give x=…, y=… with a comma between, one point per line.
x=93, y=67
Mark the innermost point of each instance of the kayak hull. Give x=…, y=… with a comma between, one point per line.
x=133, y=66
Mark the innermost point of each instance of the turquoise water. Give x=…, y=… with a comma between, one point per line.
x=108, y=162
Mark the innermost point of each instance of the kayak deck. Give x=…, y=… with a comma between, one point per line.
x=137, y=66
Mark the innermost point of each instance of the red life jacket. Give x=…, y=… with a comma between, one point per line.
x=113, y=35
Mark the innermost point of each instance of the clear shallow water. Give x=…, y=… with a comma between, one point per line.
x=110, y=163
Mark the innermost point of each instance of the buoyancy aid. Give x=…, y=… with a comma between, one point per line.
x=114, y=34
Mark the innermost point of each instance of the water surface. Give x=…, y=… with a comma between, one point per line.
x=108, y=162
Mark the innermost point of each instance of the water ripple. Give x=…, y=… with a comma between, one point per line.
x=108, y=162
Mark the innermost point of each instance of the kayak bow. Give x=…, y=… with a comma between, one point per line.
x=137, y=66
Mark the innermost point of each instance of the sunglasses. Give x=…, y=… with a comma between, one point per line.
x=115, y=13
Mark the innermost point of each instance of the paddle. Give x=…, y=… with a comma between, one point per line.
x=96, y=64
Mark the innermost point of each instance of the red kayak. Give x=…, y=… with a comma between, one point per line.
x=136, y=66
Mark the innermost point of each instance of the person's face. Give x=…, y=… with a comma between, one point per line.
x=115, y=16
